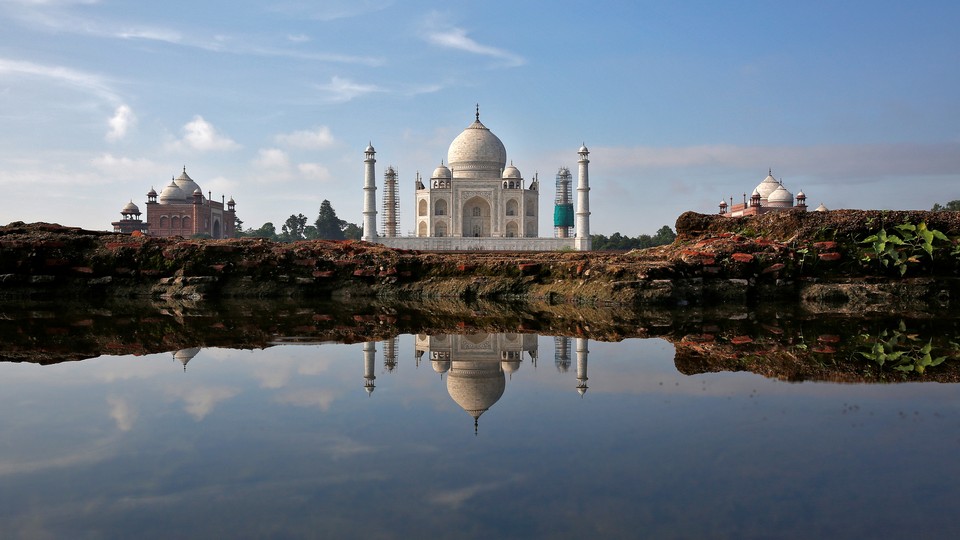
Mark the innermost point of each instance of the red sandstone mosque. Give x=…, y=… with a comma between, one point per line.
x=180, y=210
x=769, y=196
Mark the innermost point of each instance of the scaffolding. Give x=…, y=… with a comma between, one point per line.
x=390, y=354
x=563, y=205
x=561, y=353
x=390, y=223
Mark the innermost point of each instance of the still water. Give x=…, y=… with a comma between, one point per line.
x=466, y=436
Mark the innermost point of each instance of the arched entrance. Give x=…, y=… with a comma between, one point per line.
x=476, y=217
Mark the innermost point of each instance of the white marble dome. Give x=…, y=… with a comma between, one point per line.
x=185, y=183
x=441, y=172
x=172, y=194
x=780, y=198
x=512, y=173
x=477, y=149
x=767, y=186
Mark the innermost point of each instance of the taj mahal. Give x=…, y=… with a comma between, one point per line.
x=477, y=202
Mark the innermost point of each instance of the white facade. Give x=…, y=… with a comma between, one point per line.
x=477, y=202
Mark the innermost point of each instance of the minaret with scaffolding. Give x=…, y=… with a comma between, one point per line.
x=563, y=205
x=391, y=204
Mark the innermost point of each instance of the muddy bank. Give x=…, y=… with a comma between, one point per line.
x=824, y=261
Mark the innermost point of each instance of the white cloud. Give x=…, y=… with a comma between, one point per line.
x=121, y=121
x=198, y=134
x=341, y=90
x=316, y=139
x=298, y=38
x=457, y=39
x=314, y=171
x=88, y=82
x=272, y=158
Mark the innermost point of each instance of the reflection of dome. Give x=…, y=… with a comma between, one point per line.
x=477, y=149
x=510, y=366
x=768, y=186
x=441, y=366
x=185, y=355
x=476, y=386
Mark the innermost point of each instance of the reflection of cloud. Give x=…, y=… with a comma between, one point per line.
x=454, y=498
x=122, y=412
x=319, y=398
x=96, y=453
x=200, y=401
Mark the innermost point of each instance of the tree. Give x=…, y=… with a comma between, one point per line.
x=292, y=229
x=953, y=206
x=267, y=230
x=329, y=226
x=617, y=241
x=237, y=225
x=352, y=232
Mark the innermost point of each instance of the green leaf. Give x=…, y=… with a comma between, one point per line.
x=907, y=227
x=939, y=235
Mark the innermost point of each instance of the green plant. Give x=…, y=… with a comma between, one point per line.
x=899, y=350
x=901, y=246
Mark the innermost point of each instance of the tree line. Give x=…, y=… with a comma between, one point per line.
x=617, y=241
x=327, y=226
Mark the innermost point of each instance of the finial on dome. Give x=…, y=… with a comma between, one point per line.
x=478, y=112
x=184, y=168
x=770, y=171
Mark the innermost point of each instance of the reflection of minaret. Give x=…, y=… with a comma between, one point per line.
x=390, y=354
x=582, y=366
x=369, y=356
x=561, y=353
x=185, y=355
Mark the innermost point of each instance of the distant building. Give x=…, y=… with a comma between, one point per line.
x=477, y=202
x=180, y=210
x=769, y=196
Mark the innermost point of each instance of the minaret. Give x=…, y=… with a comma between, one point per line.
x=582, y=366
x=582, y=240
x=563, y=205
x=390, y=354
x=369, y=358
x=369, y=195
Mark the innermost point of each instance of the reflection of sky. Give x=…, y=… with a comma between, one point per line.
x=285, y=441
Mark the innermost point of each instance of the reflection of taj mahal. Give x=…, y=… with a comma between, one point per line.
x=477, y=201
x=476, y=366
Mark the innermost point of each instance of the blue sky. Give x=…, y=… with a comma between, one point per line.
x=681, y=103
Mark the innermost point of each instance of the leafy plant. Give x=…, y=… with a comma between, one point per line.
x=901, y=246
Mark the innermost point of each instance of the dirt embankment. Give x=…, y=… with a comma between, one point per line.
x=824, y=260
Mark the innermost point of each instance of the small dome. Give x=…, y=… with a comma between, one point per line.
x=390, y=170
x=442, y=172
x=152, y=192
x=583, y=149
x=370, y=149
x=130, y=208
x=821, y=208
x=755, y=192
x=723, y=203
x=512, y=173
x=197, y=193
x=231, y=201
x=172, y=194
x=801, y=195
x=780, y=197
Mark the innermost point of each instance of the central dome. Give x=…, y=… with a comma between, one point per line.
x=477, y=149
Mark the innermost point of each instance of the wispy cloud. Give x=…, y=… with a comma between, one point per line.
x=198, y=134
x=81, y=80
x=318, y=138
x=341, y=90
x=330, y=10
x=272, y=158
x=121, y=121
x=315, y=171
x=452, y=37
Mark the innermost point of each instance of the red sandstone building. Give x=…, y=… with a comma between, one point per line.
x=769, y=196
x=180, y=210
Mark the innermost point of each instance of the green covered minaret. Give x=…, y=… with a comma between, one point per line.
x=563, y=205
